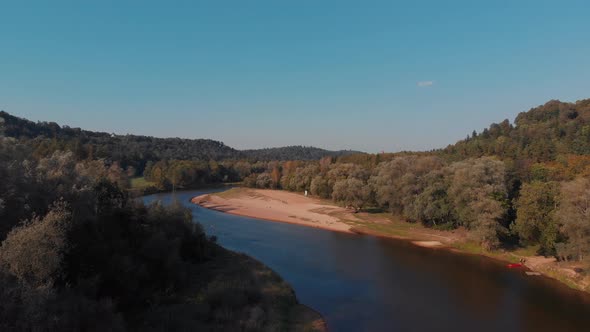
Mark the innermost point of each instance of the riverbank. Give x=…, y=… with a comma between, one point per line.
x=244, y=294
x=275, y=205
x=282, y=206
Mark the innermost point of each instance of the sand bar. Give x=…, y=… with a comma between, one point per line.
x=276, y=205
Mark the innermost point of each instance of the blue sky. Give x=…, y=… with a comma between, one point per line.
x=365, y=75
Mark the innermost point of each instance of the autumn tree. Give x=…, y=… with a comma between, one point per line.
x=275, y=176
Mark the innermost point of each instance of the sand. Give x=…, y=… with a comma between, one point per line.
x=428, y=244
x=276, y=205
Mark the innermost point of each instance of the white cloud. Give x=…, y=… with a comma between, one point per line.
x=424, y=84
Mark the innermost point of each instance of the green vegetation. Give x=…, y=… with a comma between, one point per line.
x=141, y=183
x=76, y=251
x=77, y=254
x=133, y=152
x=509, y=186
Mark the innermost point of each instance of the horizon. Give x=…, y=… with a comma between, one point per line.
x=333, y=75
x=263, y=147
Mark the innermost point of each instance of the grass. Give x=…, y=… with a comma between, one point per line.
x=386, y=224
x=512, y=255
x=558, y=276
x=141, y=183
x=392, y=229
x=527, y=251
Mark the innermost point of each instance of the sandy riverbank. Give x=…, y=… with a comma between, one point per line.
x=276, y=205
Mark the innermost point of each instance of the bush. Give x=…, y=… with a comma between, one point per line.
x=34, y=252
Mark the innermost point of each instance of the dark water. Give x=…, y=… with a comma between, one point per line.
x=363, y=283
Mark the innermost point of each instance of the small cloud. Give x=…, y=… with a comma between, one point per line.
x=424, y=84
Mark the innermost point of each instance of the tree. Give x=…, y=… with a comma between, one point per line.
x=397, y=182
x=320, y=187
x=479, y=195
x=263, y=180
x=34, y=252
x=433, y=205
x=535, y=217
x=351, y=192
x=243, y=168
x=387, y=183
x=275, y=176
x=574, y=217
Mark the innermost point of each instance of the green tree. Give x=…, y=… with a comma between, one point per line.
x=433, y=205
x=351, y=192
x=574, y=217
x=479, y=195
x=320, y=187
x=535, y=217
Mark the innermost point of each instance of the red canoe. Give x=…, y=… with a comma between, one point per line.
x=513, y=265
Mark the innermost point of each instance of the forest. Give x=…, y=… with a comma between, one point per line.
x=134, y=152
x=78, y=253
x=65, y=209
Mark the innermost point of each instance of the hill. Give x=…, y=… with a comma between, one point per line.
x=541, y=134
x=136, y=151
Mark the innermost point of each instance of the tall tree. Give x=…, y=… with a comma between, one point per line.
x=535, y=217
x=574, y=217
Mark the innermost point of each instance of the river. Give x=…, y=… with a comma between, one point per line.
x=365, y=283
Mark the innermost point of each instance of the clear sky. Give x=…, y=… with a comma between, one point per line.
x=365, y=75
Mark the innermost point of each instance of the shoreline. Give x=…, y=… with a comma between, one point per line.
x=218, y=209
x=283, y=207
x=292, y=316
x=547, y=267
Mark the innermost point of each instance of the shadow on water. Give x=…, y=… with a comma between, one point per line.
x=364, y=283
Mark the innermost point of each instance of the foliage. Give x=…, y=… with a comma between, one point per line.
x=535, y=219
x=136, y=151
x=35, y=251
x=574, y=217
x=351, y=192
x=77, y=254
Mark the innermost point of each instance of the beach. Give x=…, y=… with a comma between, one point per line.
x=278, y=206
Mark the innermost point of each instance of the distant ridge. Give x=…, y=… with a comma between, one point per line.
x=304, y=153
x=541, y=134
x=127, y=147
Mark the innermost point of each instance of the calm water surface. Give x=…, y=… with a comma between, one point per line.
x=363, y=283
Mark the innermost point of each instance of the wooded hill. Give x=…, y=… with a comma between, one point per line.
x=136, y=151
x=542, y=134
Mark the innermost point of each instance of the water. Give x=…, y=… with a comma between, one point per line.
x=363, y=283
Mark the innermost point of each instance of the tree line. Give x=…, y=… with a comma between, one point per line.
x=134, y=152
